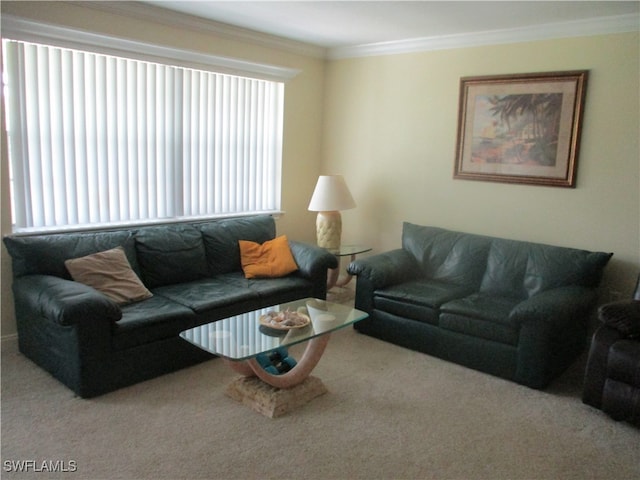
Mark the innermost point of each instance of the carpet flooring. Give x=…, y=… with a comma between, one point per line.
x=390, y=414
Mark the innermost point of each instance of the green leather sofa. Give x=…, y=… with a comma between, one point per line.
x=513, y=309
x=94, y=345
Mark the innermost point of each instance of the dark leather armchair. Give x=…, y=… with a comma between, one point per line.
x=612, y=377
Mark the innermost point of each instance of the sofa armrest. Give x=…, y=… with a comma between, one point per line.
x=313, y=264
x=623, y=316
x=312, y=260
x=64, y=302
x=556, y=307
x=379, y=271
x=388, y=268
x=556, y=315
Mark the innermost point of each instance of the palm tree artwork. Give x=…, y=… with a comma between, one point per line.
x=519, y=129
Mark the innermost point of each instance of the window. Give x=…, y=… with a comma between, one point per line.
x=99, y=139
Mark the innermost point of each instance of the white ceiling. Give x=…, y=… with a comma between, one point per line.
x=340, y=24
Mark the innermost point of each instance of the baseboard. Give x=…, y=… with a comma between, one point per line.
x=9, y=343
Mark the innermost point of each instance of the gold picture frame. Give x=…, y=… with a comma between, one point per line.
x=521, y=128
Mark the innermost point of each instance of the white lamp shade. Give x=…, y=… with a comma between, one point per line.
x=331, y=194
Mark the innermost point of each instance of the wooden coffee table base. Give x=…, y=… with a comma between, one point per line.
x=272, y=401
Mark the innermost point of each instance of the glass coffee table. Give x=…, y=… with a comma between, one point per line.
x=260, y=352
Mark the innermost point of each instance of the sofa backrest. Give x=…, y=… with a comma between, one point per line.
x=46, y=254
x=498, y=266
x=160, y=255
x=506, y=267
x=221, y=240
x=452, y=257
x=524, y=269
x=551, y=267
x=170, y=254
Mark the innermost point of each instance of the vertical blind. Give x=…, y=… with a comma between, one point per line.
x=97, y=139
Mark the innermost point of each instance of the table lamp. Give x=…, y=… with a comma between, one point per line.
x=329, y=197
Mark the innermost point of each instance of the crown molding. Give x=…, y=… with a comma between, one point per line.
x=172, y=18
x=577, y=28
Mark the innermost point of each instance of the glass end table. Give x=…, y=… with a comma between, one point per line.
x=333, y=276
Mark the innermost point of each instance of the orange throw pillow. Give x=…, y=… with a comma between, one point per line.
x=271, y=259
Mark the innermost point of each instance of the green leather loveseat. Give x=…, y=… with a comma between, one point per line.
x=513, y=309
x=94, y=345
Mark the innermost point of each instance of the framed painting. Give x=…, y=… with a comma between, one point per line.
x=522, y=128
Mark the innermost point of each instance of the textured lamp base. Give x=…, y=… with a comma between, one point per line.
x=329, y=229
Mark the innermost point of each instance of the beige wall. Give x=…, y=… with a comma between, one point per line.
x=302, y=116
x=388, y=124
x=390, y=127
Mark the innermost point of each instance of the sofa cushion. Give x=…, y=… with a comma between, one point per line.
x=271, y=259
x=418, y=299
x=447, y=256
x=153, y=319
x=550, y=267
x=46, y=254
x=171, y=254
x=110, y=273
x=282, y=289
x=401, y=308
x=423, y=292
x=483, y=316
x=209, y=293
x=221, y=240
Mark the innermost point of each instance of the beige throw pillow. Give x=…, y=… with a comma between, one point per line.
x=110, y=273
